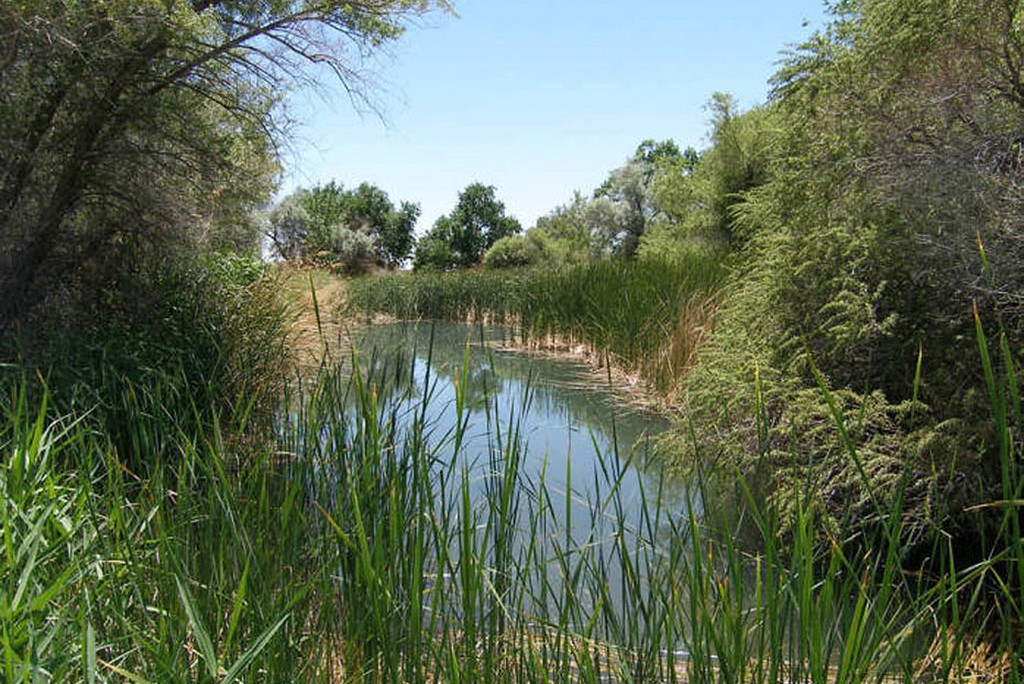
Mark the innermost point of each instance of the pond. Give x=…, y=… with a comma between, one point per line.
x=542, y=487
x=479, y=492
x=570, y=427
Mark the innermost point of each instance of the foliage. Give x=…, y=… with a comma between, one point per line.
x=210, y=335
x=135, y=125
x=476, y=223
x=566, y=231
x=514, y=251
x=347, y=229
x=646, y=315
x=433, y=254
x=290, y=225
x=873, y=205
x=292, y=566
x=631, y=202
x=623, y=207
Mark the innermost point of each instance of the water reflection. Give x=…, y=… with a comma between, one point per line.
x=572, y=428
x=537, y=478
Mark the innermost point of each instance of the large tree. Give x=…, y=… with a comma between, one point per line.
x=625, y=206
x=461, y=238
x=143, y=122
x=343, y=226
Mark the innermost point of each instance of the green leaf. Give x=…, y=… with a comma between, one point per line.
x=257, y=647
x=203, y=641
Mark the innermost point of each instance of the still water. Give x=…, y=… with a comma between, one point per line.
x=573, y=431
x=544, y=484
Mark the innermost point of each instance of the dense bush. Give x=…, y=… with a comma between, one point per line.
x=202, y=344
x=882, y=207
x=514, y=251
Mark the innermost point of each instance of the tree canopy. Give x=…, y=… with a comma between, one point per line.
x=137, y=124
x=460, y=239
x=331, y=225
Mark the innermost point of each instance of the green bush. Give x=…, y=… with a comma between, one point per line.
x=433, y=254
x=514, y=251
x=202, y=343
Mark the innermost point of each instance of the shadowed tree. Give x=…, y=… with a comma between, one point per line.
x=137, y=124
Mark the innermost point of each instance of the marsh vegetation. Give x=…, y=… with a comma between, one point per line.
x=828, y=299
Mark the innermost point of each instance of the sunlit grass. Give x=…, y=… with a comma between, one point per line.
x=646, y=316
x=352, y=548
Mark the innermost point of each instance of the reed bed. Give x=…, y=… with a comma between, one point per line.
x=646, y=316
x=352, y=548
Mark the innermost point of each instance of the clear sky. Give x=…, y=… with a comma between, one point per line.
x=540, y=97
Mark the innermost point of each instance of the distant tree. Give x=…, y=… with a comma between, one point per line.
x=624, y=206
x=433, y=254
x=289, y=225
x=515, y=251
x=398, y=235
x=369, y=210
x=476, y=223
x=567, y=231
x=346, y=227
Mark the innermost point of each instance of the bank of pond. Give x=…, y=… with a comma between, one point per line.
x=435, y=507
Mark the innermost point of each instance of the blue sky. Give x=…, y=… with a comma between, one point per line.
x=539, y=97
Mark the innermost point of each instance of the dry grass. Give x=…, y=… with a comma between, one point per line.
x=316, y=332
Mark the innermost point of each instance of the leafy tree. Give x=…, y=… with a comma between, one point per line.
x=567, y=232
x=290, y=225
x=624, y=206
x=135, y=127
x=476, y=223
x=515, y=251
x=433, y=254
x=369, y=210
x=397, y=235
x=344, y=227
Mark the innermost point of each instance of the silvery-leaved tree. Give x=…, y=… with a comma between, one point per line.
x=142, y=124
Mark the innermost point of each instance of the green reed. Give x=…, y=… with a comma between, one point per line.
x=646, y=315
x=356, y=547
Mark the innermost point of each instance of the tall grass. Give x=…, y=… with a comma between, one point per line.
x=353, y=548
x=647, y=316
x=192, y=573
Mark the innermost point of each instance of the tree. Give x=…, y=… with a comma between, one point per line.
x=343, y=226
x=568, y=233
x=623, y=207
x=433, y=254
x=476, y=223
x=153, y=124
x=369, y=210
x=858, y=201
x=515, y=251
x=397, y=235
x=290, y=225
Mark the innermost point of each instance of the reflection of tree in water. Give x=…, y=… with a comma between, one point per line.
x=398, y=359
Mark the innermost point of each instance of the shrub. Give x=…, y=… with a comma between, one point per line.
x=514, y=251
x=433, y=254
x=200, y=344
